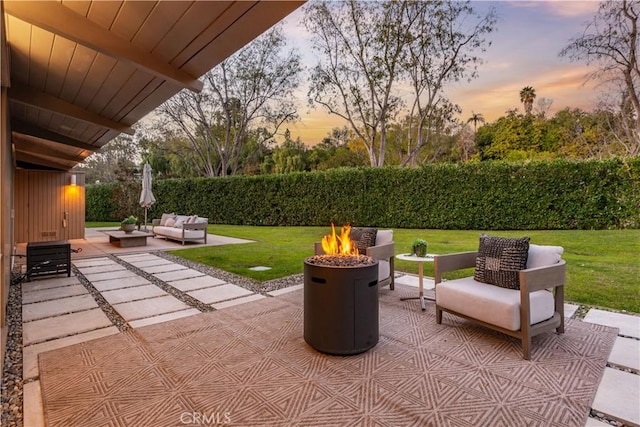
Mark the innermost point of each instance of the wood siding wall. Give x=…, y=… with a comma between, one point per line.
x=48, y=207
x=6, y=236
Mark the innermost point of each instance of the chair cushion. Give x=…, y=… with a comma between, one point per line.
x=363, y=238
x=169, y=222
x=542, y=256
x=500, y=259
x=383, y=237
x=492, y=304
x=165, y=217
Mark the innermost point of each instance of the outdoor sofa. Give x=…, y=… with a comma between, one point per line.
x=183, y=228
x=528, y=302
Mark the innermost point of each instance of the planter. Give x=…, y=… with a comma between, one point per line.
x=420, y=250
x=128, y=228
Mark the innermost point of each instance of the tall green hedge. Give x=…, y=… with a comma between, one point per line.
x=488, y=196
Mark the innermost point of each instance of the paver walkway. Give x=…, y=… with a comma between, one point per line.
x=60, y=311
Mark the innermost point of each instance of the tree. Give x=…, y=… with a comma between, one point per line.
x=445, y=38
x=245, y=101
x=475, y=118
x=527, y=96
x=610, y=41
x=361, y=44
x=122, y=153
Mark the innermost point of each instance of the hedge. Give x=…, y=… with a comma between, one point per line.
x=557, y=194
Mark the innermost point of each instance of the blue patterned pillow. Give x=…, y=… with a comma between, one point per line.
x=500, y=259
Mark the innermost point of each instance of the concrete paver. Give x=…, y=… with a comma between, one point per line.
x=628, y=324
x=618, y=396
x=411, y=280
x=60, y=326
x=40, y=310
x=53, y=293
x=178, y=275
x=150, y=262
x=30, y=352
x=33, y=408
x=91, y=262
x=96, y=277
x=163, y=318
x=41, y=284
x=570, y=309
x=219, y=293
x=138, y=257
x=163, y=268
x=626, y=353
x=118, y=296
x=107, y=285
x=194, y=283
x=286, y=290
x=593, y=422
x=149, y=307
x=237, y=301
x=113, y=266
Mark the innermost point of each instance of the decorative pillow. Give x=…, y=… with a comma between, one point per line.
x=363, y=238
x=164, y=218
x=500, y=259
x=179, y=223
x=169, y=222
x=542, y=256
x=192, y=219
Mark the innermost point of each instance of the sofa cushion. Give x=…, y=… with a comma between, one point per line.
x=383, y=237
x=176, y=233
x=169, y=222
x=201, y=220
x=492, y=304
x=165, y=217
x=542, y=256
x=500, y=259
x=363, y=238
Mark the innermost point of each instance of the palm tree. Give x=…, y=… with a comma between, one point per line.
x=527, y=95
x=475, y=118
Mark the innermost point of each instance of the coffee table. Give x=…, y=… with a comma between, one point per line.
x=128, y=240
x=420, y=261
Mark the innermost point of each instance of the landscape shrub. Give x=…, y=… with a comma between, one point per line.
x=557, y=194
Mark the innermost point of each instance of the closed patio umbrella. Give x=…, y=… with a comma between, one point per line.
x=146, y=197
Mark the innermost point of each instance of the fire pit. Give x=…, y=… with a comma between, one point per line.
x=341, y=299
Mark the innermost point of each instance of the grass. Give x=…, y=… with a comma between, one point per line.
x=602, y=265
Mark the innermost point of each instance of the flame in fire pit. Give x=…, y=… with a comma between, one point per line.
x=333, y=244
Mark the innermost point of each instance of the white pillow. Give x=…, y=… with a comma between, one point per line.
x=383, y=237
x=179, y=223
x=192, y=219
x=541, y=256
x=169, y=222
x=165, y=217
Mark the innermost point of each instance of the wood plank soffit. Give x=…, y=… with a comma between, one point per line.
x=33, y=131
x=53, y=16
x=29, y=96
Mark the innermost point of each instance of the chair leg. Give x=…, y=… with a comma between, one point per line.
x=438, y=315
x=526, y=348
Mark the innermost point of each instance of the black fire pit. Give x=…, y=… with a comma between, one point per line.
x=341, y=303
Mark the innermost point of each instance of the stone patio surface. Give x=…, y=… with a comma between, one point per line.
x=59, y=311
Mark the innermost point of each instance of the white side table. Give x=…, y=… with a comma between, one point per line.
x=420, y=261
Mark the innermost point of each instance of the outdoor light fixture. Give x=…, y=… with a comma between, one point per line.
x=74, y=179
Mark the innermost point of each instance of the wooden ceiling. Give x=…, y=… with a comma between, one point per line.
x=82, y=72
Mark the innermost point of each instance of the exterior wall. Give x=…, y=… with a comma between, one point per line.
x=6, y=222
x=48, y=207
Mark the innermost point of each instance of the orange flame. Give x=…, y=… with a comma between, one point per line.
x=339, y=245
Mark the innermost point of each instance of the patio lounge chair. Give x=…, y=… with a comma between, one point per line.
x=539, y=298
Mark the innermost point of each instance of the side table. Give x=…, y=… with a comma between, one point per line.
x=420, y=261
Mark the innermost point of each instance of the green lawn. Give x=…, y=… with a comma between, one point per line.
x=602, y=265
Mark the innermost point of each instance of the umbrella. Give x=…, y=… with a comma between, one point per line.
x=146, y=197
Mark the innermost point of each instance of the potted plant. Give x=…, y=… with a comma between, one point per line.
x=129, y=224
x=420, y=247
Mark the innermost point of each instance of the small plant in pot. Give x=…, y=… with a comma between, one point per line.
x=129, y=224
x=420, y=248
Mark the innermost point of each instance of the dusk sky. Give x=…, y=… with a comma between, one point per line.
x=524, y=52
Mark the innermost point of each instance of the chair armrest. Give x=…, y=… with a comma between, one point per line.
x=196, y=226
x=550, y=276
x=384, y=252
x=155, y=221
x=452, y=262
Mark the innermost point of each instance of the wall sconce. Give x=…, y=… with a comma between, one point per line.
x=74, y=180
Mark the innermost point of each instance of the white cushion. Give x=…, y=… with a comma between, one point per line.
x=383, y=237
x=492, y=304
x=165, y=217
x=192, y=219
x=177, y=233
x=383, y=270
x=179, y=223
x=169, y=222
x=541, y=256
x=201, y=220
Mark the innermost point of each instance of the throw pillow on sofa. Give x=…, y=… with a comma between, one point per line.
x=500, y=259
x=165, y=217
x=169, y=222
